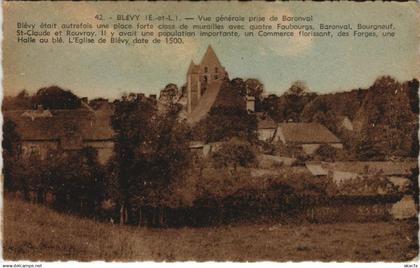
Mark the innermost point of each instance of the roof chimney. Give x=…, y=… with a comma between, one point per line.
x=250, y=104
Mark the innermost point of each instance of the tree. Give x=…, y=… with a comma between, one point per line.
x=317, y=105
x=413, y=95
x=226, y=122
x=366, y=148
x=273, y=106
x=10, y=157
x=21, y=101
x=234, y=153
x=238, y=86
x=170, y=94
x=326, y=152
x=327, y=119
x=386, y=118
x=297, y=89
x=133, y=123
x=10, y=137
x=54, y=97
x=150, y=152
x=296, y=98
x=290, y=105
x=414, y=178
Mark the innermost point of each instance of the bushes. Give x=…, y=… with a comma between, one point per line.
x=226, y=122
x=234, y=154
x=226, y=195
x=75, y=180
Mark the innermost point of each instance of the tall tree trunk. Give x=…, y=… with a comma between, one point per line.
x=140, y=217
x=26, y=196
x=122, y=214
x=154, y=216
x=125, y=213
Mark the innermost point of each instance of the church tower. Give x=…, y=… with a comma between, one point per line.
x=201, y=76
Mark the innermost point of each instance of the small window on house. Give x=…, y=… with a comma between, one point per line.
x=24, y=151
x=206, y=69
x=34, y=151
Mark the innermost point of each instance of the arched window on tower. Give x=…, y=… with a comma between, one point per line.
x=216, y=70
x=206, y=69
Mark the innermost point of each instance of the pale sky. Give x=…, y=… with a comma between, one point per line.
x=326, y=65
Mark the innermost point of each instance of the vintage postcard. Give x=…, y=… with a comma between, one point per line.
x=210, y=131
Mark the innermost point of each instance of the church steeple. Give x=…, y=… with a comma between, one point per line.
x=210, y=57
x=202, y=77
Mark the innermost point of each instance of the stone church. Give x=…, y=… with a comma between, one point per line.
x=204, y=80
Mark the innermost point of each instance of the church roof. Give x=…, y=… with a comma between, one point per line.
x=206, y=102
x=210, y=57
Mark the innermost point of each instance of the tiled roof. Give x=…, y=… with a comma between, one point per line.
x=316, y=169
x=307, y=133
x=371, y=167
x=210, y=57
x=265, y=122
x=62, y=123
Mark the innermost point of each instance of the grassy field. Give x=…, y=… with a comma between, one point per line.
x=33, y=232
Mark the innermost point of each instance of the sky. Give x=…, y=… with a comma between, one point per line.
x=325, y=65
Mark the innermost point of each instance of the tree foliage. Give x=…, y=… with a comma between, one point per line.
x=223, y=123
x=150, y=152
x=170, y=94
x=54, y=97
x=385, y=119
x=234, y=154
x=10, y=137
x=289, y=106
x=74, y=179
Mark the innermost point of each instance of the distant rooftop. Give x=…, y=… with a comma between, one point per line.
x=307, y=133
x=82, y=122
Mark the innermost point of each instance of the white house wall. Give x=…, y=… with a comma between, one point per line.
x=265, y=134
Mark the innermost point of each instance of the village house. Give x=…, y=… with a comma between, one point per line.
x=40, y=112
x=41, y=131
x=201, y=149
x=204, y=83
x=266, y=127
x=317, y=170
x=397, y=172
x=344, y=123
x=308, y=136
